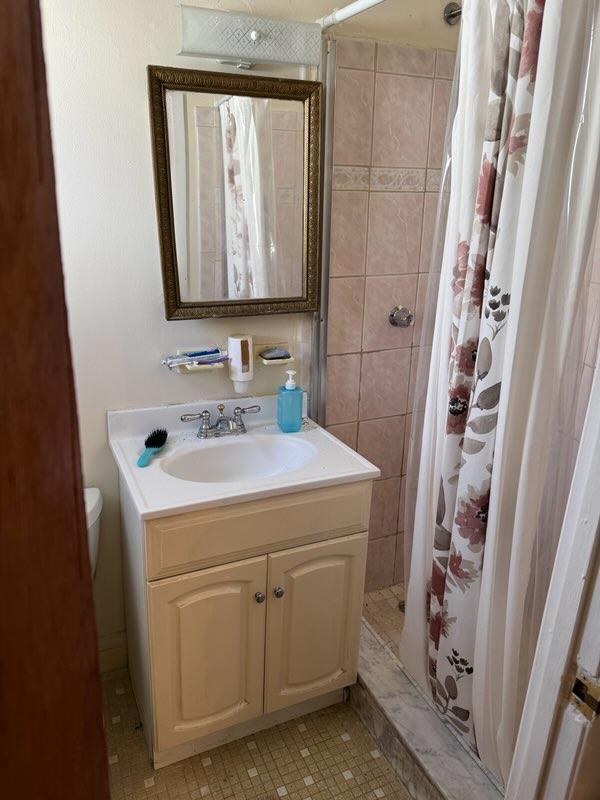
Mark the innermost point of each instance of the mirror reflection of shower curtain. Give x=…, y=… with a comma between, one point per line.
x=249, y=197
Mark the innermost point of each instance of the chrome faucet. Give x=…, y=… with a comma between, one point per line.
x=224, y=426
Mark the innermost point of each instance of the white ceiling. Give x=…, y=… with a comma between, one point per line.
x=417, y=22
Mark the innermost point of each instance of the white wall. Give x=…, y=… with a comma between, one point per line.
x=96, y=57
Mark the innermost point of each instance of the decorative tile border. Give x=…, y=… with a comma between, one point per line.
x=392, y=179
x=350, y=177
x=434, y=177
x=424, y=752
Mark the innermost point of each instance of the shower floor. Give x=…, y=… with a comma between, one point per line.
x=425, y=753
x=381, y=610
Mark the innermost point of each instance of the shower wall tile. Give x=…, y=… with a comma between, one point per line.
x=381, y=554
x=414, y=359
x=439, y=115
x=346, y=177
x=384, y=508
x=381, y=441
x=348, y=233
x=288, y=218
x=444, y=65
x=284, y=121
x=405, y=60
x=353, y=117
x=419, y=306
x=423, y=357
x=287, y=158
x=343, y=380
x=384, y=383
x=399, y=559
x=394, y=233
x=346, y=303
x=401, y=121
x=401, y=504
x=347, y=433
x=429, y=216
x=389, y=126
x=397, y=179
x=382, y=293
x=407, y=430
x=355, y=53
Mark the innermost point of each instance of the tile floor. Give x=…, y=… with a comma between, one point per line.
x=381, y=611
x=322, y=756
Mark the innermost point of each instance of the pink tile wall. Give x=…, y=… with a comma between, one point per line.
x=389, y=121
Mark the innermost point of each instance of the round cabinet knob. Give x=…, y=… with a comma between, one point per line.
x=260, y=597
x=279, y=591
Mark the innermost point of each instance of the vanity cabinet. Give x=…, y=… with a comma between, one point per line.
x=228, y=646
x=233, y=642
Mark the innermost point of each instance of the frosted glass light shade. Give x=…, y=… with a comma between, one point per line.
x=225, y=35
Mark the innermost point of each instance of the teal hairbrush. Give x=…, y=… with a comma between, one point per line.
x=154, y=444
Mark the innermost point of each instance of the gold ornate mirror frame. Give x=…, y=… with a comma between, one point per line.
x=161, y=79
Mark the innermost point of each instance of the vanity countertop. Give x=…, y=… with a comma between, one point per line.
x=310, y=459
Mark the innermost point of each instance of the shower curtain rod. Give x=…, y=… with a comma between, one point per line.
x=342, y=14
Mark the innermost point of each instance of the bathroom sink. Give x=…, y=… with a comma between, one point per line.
x=193, y=474
x=240, y=459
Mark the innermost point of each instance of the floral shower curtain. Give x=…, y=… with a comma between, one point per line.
x=479, y=498
x=481, y=288
x=249, y=196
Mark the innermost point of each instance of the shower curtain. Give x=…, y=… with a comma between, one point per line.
x=495, y=426
x=249, y=197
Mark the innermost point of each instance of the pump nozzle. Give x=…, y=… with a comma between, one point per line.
x=290, y=383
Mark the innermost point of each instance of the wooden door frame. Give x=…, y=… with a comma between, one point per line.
x=51, y=730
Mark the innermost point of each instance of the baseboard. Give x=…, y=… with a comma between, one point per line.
x=112, y=651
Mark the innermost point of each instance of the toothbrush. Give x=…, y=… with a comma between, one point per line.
x=154, y=444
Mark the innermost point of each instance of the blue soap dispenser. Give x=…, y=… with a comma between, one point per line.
x=289, y=405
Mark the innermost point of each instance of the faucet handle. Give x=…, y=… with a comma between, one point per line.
x=204, y=415
x=205, y=426
x=238, y=411
x=237, y=416
x=248, y=410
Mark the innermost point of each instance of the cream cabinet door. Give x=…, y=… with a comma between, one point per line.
x=207, y=640
x=313, y=619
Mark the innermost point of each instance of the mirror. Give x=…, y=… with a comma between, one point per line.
x=237, y=180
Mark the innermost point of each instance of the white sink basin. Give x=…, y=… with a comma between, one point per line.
x=192, y=474
x=240, y=459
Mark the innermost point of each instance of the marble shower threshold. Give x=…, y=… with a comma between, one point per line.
x=425, y=754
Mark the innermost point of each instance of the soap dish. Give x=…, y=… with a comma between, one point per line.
x=275, y=347
x=269, y=362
